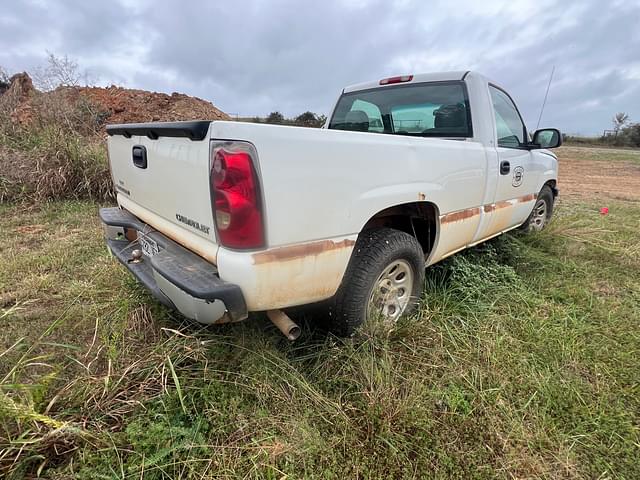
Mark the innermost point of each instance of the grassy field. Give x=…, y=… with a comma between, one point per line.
x=521, y=363
x=602, y=154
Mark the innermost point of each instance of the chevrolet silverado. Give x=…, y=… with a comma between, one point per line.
x=218, y=219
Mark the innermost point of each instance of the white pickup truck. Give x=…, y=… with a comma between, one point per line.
x=219, y=219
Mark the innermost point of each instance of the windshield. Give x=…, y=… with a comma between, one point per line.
x=437, y=109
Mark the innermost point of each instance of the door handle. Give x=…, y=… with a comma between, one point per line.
x=505, y=167
x=139, y=155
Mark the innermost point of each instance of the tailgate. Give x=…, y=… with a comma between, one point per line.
x=164, y=168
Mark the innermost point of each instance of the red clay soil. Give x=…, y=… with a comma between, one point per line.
x=587, y=173
x=119, y=105
x=17, y=98
x=130, y=106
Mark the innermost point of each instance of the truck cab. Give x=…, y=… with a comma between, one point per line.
x=503, y=170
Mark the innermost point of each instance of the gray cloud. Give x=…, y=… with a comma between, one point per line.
x=255, y=57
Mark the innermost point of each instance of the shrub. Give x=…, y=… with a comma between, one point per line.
x=275, y=118
x=52, y=163
x=310, y=119
x=50, y=145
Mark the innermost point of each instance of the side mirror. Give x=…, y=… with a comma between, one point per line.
x=546, y=138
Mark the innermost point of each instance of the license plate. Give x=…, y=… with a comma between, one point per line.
x=149, y=246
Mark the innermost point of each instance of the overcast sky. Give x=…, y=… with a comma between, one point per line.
x=253, y=57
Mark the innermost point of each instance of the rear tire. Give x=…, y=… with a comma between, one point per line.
x=542, y=211
x=384, y=280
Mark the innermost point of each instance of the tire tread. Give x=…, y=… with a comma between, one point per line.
x=373, y=248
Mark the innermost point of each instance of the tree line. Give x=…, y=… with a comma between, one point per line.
x=306, y=119
x=625, y=133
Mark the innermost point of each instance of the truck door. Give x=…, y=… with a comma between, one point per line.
x=517, y=174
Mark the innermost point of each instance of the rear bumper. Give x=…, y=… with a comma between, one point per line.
x=175, y=276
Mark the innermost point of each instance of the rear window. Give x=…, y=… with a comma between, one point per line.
x=437, y=109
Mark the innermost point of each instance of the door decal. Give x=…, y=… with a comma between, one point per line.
x=518, y=176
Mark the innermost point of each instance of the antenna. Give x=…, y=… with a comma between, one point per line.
x=544, y=102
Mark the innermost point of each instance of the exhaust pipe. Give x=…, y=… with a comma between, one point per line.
x=287, y=326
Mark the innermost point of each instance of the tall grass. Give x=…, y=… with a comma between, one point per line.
x=520, y=363
x=55, y=151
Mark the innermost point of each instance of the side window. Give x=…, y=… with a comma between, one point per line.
x=509, y=125
x=372, y=111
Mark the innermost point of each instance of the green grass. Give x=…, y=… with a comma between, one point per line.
x=601, y=153
x=522, y=362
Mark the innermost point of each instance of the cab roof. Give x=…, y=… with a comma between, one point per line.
x=417, y=78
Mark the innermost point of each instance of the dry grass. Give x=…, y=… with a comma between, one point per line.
x=520, y=364
x=55, y=151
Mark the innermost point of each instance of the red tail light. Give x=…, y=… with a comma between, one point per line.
x=400, y=79
x=236, y=196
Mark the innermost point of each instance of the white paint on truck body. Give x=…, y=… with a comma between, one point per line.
x=321, y=186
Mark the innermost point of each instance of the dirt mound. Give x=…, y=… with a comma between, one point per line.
x=18, y=98
x=21, y=86
x=110, y=105
x=130, y=106
x=53, y=142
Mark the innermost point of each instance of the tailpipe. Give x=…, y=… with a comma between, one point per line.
x=287, y=326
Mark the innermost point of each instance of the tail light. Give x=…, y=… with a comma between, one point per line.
x=400, y=79
x=237, y=205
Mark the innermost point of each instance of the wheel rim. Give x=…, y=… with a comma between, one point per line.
x=539, y=215
x=391, y=292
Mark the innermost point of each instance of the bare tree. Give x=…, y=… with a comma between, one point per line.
x=59, y=72
x=620, y=119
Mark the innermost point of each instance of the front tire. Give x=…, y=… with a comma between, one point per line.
x=542, y=211
x=383, y=281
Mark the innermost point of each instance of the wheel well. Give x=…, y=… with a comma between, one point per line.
x=552, y=184
x=419, y=219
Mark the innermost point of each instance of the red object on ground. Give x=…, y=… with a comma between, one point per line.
x=604, y=210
